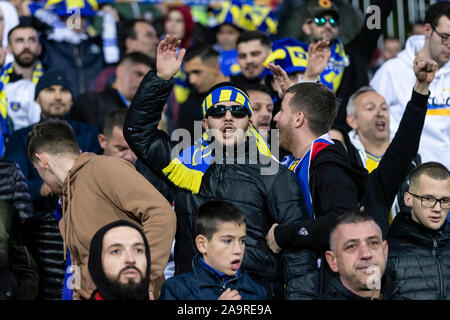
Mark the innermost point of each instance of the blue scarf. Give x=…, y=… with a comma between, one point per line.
x=301, y=167
x=186, y=171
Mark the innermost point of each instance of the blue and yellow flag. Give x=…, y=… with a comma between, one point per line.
x=292, y=56
x=247, y=16
x=87, y=8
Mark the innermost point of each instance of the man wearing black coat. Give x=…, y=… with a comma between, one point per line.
x=265, y=191
x=419, y=240
x=359, y=255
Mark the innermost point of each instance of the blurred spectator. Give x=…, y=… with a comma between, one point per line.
x=253, y=48
x=119, y=262
x=346, y=70
x=9, y=21
x=114, y=144
x=19, y=78
x=111, y=139
x=179, y=22
x=73, y=45
x=416, y=28
x=435, y=139
x=21, y=7
x=262, y=107
x=226, y=41
x=137, y=35
x=92, y=107
x=391, y=47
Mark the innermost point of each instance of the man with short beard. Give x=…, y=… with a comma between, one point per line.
x=19, y=78
x=119, y=262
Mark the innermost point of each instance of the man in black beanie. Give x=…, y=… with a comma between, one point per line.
x=119, y=262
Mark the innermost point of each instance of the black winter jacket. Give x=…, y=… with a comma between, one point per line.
x=419, y=259
x=14, y=189
x=339, y=184
x=204, y=284
x=265, y=199
x=337, y=291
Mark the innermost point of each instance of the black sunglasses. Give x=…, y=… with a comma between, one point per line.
x=320, y=21
x=219, y=111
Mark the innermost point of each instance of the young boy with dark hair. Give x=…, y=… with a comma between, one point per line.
x=217, y=273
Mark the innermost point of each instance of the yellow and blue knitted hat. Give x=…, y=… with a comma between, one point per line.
x=226, y=91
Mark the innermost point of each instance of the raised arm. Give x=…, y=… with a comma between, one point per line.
x=152, y=146
x=395, y=164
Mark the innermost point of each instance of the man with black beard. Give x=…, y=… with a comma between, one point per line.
x=19, y=78
x=119, y=262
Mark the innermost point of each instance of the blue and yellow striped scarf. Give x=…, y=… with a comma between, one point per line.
x=292, y=56
x=4, y=80
x=186, y=171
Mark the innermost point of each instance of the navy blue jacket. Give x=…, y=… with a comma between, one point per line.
x=204, y=283
x=86, y=136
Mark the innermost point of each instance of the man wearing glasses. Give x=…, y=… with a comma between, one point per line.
x=395, y=77
x=230, y=167
x=419, y=240
x=346, y=65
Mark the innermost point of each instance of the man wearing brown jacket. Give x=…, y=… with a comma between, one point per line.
x=95, y=191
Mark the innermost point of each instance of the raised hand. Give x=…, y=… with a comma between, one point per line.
x=425, y=69
x=281, y=79
x=318, y=55
x=167, y=62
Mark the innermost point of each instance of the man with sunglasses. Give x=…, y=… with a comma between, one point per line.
x=346, y=69
x=395, y=77
x=245, y=174
x=419, y=240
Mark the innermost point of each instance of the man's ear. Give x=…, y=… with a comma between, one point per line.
x=306, y=28
x=385, y=249
x=42, y=160
x=351, y=121
x=102, y=141
x=250, y=124
x=427, y=30
x=408, y=199
x=299, y=119
x=8, y=48
x=331, y=259
x=202, y=243
x=205, y=124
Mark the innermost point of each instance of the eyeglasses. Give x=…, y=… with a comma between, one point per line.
x=219, y=111
x=320, y=21
x=430, y=202
x=445, y=38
